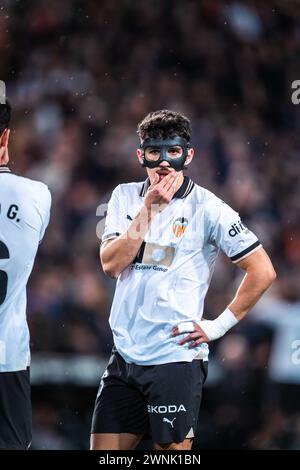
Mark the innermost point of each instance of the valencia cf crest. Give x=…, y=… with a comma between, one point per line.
x=179, y=226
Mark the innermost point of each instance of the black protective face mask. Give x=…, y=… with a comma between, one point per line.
x=156, y=151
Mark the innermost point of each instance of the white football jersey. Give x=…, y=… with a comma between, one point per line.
x=168, y=280
x=24, y=215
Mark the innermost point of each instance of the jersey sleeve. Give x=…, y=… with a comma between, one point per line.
x=115, y=218
x=230, y=234
x=44, y=209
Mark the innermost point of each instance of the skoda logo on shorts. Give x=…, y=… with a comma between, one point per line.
x=166, y=408
x=179, y=226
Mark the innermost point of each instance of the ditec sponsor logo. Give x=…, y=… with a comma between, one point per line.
x=236, y=228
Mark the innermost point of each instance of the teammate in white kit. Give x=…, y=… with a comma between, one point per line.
x=24, y=216
x=161, y=240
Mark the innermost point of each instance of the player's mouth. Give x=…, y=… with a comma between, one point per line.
x=163, y=172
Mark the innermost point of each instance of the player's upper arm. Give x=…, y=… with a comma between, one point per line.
x=230, y=234
x=259, y=262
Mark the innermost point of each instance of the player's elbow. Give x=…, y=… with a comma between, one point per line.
x=112, y=263
x=272, y=275
x=110, y=270
x=112, y=273
x=267, y=275
x=107, y=264
x=263, y=273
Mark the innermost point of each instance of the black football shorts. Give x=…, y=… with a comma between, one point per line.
x=15, y=410
x=162, y=400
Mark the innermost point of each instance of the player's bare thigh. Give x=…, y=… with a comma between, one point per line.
x=186, y=444
x=111, y=441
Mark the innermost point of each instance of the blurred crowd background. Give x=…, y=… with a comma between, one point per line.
x=80, y=75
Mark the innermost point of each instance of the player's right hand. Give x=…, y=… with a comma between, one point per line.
x=161, y=192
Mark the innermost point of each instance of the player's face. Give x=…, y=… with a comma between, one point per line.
x=164, y=167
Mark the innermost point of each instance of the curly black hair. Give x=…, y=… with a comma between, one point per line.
x=164, y=124
x=5, y=112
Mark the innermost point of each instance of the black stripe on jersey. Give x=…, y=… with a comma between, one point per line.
x=4, y=169
x=139, y=256
x=189, y=188
x=245, y=252
x=145, y=187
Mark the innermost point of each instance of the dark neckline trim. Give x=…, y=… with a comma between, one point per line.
x=4, y=169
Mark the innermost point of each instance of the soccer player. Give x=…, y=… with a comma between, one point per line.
x=24, y=216
x=161, y=240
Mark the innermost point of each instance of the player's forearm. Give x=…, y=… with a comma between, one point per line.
x=259, y=276
x=256, y=281
x=254, y=284
x=120, y=252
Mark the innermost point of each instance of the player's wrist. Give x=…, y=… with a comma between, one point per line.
x=217, y=328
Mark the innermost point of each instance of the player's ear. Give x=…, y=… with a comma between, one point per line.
x=4, y=158
x=139, y=155
x=190, y=156
x=4, y=138
x=6, y=134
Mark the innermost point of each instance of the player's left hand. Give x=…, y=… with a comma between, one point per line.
x=195, y=337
